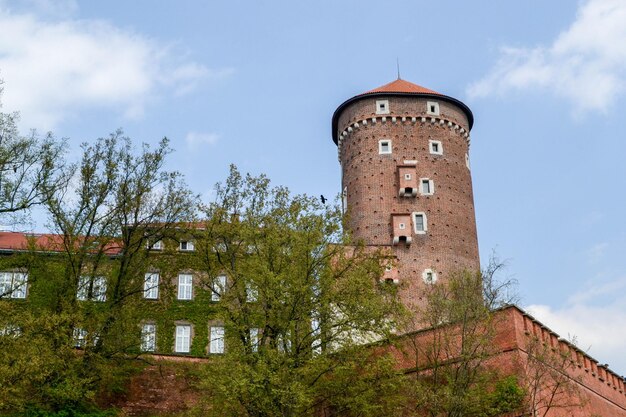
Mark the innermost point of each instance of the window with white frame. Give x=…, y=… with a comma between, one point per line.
x=148, y=337
x=218, y=288
x=10, y=330
x=382, y=106
x=429, y=276
x=155, y=245
x=435, y=147
x=344, y=199
x=252, y=292
x=91, y=288
x=427, y=186
x=13, y=284
x=432, y=107
x=254, y=339
x=185, y=286
x=151, y=286
x=467, y=161
x=401, y=226
x=216, y=344
x=80, y=337
x=183, y=339
x=186, y=245
x=384, y=146
x=419, y=223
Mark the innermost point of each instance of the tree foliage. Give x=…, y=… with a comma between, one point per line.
x=29, y=164
x=119, y=200
x=452, y=376
x=299, y=306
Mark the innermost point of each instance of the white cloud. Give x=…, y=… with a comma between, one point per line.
x=596, y=253
x=54, y=69
x=196, y=139
x=585, y=63
x=596, y=317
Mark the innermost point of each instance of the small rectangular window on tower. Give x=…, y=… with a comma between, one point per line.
x=432, y=107
x=419, y=223
x=384, y=146
x=382, y=106
x=435, y=147
x=427, y=186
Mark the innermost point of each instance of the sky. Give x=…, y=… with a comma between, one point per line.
x=255, y=83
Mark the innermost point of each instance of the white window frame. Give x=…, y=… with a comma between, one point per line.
x=151, y=286
x=13, y=284
x=433, y=276
x=98, y=285
x=80, y=337
x=430, y=105
x=183, y=338
x=385, y=107
x=252, y=293
x=148, y=337
x=344, y=200
x=216, y=342
x=431, y=186
x=254, y=338
x=10, y=330
x=157, y=245
x=467, y=161
x=439, y=150
x=407, y=177
x=424, y=222
x=185, y=286
x=218, y=288
x=401, y=226
x=186, y=246
x=389, y=146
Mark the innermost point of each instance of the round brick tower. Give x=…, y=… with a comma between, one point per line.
x=406, y=181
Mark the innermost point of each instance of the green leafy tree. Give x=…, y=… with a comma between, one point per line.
x=549, y=379
x=298, y=307
x=29, y=164
x=452, y=376
x=87, y=280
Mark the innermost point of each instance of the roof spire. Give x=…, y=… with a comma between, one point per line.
x=398, y=65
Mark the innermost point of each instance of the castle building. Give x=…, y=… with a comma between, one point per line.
x=406, y=181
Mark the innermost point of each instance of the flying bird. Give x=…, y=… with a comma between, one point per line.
x=323, y=199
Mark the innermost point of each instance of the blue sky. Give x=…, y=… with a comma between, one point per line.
x=255, y=83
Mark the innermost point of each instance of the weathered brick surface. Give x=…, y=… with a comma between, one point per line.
x=372, y=184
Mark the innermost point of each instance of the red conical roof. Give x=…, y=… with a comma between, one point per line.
x=399, y=88
x=402, y=86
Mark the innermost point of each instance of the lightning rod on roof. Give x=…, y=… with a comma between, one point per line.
x=398, y=65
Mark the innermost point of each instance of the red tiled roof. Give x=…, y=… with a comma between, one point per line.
x=402, y=86
x=18, y=241
x=398, y=87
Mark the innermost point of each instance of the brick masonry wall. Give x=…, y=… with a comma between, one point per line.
x=371, y=181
